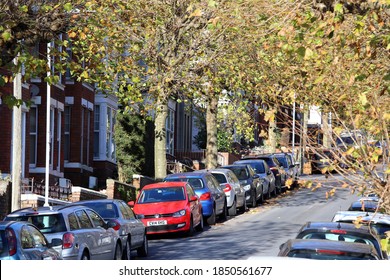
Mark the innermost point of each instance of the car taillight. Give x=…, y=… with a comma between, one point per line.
x=117, y=226
x=205, y=196
x=273, y=168
x=67, y=240
x=11, y=237
x=227, y=188
x=331, y=252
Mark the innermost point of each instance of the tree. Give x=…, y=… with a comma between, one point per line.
x=340, y=54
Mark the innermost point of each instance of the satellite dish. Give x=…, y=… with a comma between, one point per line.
x=34, y=90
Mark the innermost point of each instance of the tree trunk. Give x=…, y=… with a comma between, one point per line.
x=272, y=132
x=160, y=160
x=211, y=124
x=326, y=141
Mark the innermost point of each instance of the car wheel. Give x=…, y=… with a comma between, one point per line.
x=261, y=198
x=190, y=231
x=244, y=207
x=275, y=192
x=269, y=194
x=144, y=249
x=200, y=227
x=118, y=252
x=127, y=251
x=233, y=209
x=224, y=213
x=254, y=200
x=85, y=256
x=212, y=219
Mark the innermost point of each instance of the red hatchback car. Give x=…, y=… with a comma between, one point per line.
x=169, y=207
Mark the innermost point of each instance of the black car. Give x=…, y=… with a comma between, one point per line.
x=276, y=167
x=341, y=232
x=250, y=181
x=289, y=167
x=131, y=230
x=365, y=206
x=327, y=250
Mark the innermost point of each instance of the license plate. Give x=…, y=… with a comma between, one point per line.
x=157, y=223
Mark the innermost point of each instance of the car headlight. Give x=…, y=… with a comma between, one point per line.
x=247, y=187
x=179, y=213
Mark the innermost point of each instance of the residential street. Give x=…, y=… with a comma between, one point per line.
x=258, y=232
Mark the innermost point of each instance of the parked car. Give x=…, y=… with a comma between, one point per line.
x=84, y=233
x=341, y=232
x=262, y=169
x=297, y=167
x=169, y=207
x=24, y=241
x=251, y=182
x=327, y=250
x=276, y=168
x=321, y=161
x=131, y=230
x=212, y=197
x=289, y=167
x=378, y=221
x=365, y=205
x=235, y=193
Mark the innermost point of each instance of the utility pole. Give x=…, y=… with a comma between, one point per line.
x=16, y=141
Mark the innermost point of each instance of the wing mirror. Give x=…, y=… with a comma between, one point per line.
x=55, y=242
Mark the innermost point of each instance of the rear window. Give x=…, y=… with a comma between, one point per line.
x=241, y=173
x=329, y=255
x=196, y=183
x=161, y=195
x=283, y=161
x=106, y=210
x=220, y=178
x=50, y=223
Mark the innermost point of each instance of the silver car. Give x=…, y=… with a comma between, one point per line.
x=24, y=241
x=235, y=193
x=132, y=231
x=84, y=233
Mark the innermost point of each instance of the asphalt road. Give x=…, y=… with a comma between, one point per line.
x=261, y=230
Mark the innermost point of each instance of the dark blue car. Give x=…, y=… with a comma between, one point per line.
x=211, y=196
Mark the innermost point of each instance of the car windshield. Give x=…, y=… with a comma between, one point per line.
x=196, y=183
x=47, y=223
x=257, y=166
x=161, y=195
x=319, y=254
x=105, y=209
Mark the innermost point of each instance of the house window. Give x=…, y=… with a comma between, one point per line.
x=96, y=134
x=67, y=116
x=33, y=135
x=170, y=127
x=110, y=143
x=59, y=130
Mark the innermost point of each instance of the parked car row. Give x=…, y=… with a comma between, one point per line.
x=351, y=235
x=184, y=202
x=87, y=230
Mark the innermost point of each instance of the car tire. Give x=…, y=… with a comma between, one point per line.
x=211, y=220
x=144, y=249
x=127, y=251
x=118, y=252
x=233, y=209
x=85, y=256
x=253, y=198
x=275, y=192
x=244, y=207
x=224, y=213
x=261, y=198
x=269, y=194
x=200, y=226
x=190, y=231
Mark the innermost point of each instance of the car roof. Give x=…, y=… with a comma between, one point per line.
x=217, y=170
x=165, y=185
x=5, y=224
x=324, y=226
x=250, y=160
x=188, y=174
x=296, y=244
x=235, y=166
x=376, y=218
x=46, y=210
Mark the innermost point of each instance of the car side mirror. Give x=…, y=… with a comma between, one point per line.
x=269, y=172
x=256, y=176
x=131, y=203
x=112, y=224
x=55, y=242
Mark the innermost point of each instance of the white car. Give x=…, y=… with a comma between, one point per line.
x=235, y=193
